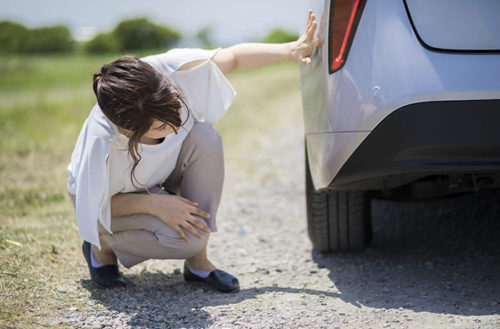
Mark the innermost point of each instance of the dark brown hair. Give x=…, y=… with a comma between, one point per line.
x=131, y=93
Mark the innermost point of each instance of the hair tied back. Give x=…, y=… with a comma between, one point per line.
x=104, y=69
x=98, y=76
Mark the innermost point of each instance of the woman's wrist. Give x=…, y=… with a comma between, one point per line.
x=290, y=51
x=296, y=51
x=148, y=204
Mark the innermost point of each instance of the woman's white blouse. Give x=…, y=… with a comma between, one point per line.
x=100, y=164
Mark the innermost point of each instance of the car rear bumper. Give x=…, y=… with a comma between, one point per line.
x=425, y=139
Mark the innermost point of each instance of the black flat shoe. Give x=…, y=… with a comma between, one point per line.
x=106, y=276
x=220, y=280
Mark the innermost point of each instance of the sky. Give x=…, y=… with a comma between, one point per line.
x=231, y=20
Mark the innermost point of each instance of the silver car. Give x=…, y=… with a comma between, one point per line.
x=402, y=101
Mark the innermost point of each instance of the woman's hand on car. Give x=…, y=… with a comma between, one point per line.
x=302, y=49
x=178, y=213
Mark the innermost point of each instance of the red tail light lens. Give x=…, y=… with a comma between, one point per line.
x=344, y=15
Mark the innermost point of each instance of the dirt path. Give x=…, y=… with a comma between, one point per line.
x=431, y=265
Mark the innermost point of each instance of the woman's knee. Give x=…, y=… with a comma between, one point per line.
x=180, y=247
x=204, y=134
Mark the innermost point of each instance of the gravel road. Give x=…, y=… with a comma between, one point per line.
x=431, y=265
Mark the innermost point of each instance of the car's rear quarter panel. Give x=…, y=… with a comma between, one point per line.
x=386, y=69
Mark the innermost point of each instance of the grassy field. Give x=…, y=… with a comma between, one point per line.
x=43, y=103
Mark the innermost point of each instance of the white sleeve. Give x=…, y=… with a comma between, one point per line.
x=172, y=60
x=206, y=90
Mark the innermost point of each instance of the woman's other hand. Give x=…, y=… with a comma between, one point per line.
x=302, y=49
x=177, y=212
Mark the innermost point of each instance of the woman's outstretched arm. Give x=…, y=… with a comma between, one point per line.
x=246, y=56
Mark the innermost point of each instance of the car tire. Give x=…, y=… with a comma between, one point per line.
x=337, y=220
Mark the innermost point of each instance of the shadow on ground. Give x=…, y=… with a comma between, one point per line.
x=440, y=257
x=158, y=300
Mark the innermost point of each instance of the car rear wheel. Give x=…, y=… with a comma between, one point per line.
x=337, y=220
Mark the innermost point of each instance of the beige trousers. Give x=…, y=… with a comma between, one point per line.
x=198, y=176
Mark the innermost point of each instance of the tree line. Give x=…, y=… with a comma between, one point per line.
x=128, y=35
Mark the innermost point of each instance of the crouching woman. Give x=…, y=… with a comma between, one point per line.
x=147, y=170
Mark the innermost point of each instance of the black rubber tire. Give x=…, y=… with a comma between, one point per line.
x=337, y=220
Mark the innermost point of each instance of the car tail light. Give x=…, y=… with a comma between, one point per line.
x=344, y=16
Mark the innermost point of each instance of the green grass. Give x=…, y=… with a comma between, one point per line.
x=43, y=103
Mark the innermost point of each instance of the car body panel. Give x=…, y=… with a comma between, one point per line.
x=330, y=150
x=440, y=24
x=445, y=137
x=387, y=68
